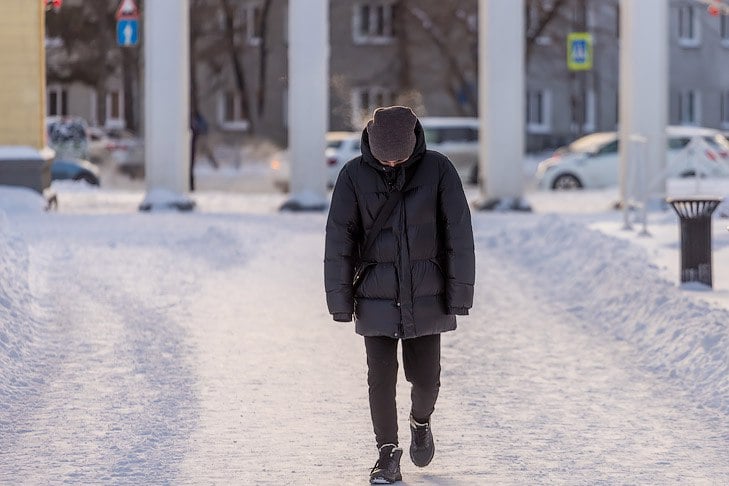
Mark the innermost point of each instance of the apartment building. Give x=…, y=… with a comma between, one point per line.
x=423, y=54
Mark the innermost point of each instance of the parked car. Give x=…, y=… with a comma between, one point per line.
x=456, y=138
x=341, y=147
x=126, y=152
x=97, y=145
x=593, y=160
x=67, y=136
x=118, y=147
x=75, y=170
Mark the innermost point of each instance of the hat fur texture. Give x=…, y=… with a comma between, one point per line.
x=391, y=133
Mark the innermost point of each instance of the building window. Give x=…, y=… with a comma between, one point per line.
x=57, y=101
x=689, y=107
x=365, y=101
x=114, y=109
x=588, y=115
x=539, y=111
x=724, y=29
x=253, y=23
x=725, y=109
x=231, y=111
x=689, y=27
x=247, y=23
x=372, y=23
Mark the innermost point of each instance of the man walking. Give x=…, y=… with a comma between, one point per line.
x=399, y=258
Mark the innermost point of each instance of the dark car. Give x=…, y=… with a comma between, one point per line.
x=75, y=170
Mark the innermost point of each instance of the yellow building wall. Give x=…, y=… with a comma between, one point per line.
x=22, y=73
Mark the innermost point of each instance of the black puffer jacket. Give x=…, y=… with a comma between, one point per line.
x=420, y=269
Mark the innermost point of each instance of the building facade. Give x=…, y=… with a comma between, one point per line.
x=23, y=62
x=423, y=54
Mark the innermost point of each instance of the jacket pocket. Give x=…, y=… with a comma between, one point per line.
x=359, y=274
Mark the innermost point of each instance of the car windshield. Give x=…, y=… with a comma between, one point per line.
x=591, y=143
x=718, y=142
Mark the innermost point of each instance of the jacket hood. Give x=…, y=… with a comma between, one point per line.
x=417, y=154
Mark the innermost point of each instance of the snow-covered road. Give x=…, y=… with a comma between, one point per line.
x=196, y=349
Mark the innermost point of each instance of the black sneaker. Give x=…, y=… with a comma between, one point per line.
x=422, y=448
x=387, y=467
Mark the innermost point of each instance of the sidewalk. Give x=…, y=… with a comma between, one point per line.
x=197, y=349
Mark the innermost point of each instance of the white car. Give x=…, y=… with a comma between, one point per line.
x=457, y=139
x=341, y=147
x=593, y=161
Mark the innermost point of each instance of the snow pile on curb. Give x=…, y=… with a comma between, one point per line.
x=676, y=337
x=20, y=200
x=17, y=326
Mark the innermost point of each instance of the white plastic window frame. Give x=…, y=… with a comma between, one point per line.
x=251, y=36
x=689, y=107
x=724, y=30
x=244, y=19
x=58, y=90
x=590, y=112
x=237, y=123
x=544, y=125
x=693, y=22
x=371, y=37
x=118, y=121
x=724, y=110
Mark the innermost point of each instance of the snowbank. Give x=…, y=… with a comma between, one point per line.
x=17, y=325
x=609, y=284
x=15, y=200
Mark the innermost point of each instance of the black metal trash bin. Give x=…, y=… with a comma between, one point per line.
x=695, y=215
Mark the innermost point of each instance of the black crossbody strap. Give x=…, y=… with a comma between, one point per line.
x=392, y=199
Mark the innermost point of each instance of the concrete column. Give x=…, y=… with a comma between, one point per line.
x=644, y=92
x=308, y=102
x=167, y=104
x=501, y=103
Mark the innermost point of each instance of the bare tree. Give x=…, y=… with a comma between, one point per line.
x=86, y=51
x=263, y=22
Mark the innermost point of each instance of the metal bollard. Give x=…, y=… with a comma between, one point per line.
x=695, y=216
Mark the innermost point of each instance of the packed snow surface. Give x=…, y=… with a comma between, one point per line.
x=196, y=348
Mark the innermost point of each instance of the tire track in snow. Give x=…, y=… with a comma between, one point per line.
x=119, y=403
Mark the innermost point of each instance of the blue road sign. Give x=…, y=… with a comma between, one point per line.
x=127, y=32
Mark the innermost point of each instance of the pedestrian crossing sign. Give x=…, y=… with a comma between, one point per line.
x=579, y=51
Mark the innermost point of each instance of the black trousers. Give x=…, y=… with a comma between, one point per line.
x=421, y=362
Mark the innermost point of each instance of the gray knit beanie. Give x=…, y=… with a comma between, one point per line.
x=392, y=133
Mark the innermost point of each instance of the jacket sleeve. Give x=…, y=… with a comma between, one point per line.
x=454, y=219
x=340, y=253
